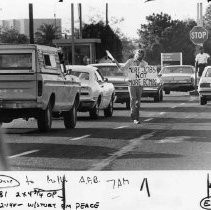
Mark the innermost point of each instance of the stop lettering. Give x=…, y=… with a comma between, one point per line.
x=198, y=35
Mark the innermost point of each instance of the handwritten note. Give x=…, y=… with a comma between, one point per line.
x=175, y=190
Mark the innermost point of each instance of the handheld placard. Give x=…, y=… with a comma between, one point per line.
x=109, y=55
x=112, y=58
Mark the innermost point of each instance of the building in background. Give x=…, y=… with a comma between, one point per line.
x=22, y=25
x=85, y=50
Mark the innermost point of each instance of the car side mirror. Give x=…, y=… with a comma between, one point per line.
x=105, y=79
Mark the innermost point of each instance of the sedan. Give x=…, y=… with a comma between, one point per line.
x=178, y=78
x=204, y=87
x=120, y=82
x=96, y=92
x=117, y=78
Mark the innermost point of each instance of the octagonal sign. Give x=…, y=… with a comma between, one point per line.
x=198, y=35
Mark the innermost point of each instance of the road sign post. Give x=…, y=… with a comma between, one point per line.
x=198, y=35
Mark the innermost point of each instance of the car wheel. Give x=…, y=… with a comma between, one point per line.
x=70, y=118
x=167, y=92
x=128, y=104
x=94, y=112
x=108, y=112
x=157, y=97
x=203, y=100
x=161, y=95
x=44, y=120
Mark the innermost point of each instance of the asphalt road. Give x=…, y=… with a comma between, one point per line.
x=174, y=135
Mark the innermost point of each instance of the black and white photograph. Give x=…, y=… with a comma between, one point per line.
x=116, y=94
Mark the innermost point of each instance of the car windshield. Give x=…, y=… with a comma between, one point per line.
x=16, y=61
x=107, y=71
x=81, y=75
x=178, y=69
x=208, y=73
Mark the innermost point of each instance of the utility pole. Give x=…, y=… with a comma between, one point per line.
x=72, y=28
x=106, y=13
x=31, y=24
x=199, y=23
x=80, y=20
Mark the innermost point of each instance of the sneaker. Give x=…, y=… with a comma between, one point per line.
x=136, y=122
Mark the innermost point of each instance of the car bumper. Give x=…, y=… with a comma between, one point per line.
x=178, y=86
x=20, y=104
x=150, y=91
x=10, y=110
x=86, y=104
x=205, y=92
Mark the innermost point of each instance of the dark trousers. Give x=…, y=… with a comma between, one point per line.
x=135, y=100
x=201, y=67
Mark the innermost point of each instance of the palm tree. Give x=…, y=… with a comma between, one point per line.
x=46, y=33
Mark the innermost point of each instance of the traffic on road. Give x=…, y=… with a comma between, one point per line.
x=37, y=89
x=173, y=135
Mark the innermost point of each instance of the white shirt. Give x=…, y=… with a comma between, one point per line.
x=202, y=58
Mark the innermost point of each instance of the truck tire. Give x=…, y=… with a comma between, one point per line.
x=94, y=112
x=108, y=112
x=44, y=120
x=70, y=118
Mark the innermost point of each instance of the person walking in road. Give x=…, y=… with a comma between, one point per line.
x=135, y=89
x=201, y=61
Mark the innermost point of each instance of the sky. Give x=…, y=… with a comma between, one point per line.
x=134, y=12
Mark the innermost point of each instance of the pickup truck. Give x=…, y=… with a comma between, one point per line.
x=33, y=83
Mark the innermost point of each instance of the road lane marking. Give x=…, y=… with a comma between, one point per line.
x=126, y=126
x=134, y=143
x=147, y=120
x=24, y=153
x=173, y=107
x=79, y=138
x=161, y=113
x=182, y=104
x=173, y=139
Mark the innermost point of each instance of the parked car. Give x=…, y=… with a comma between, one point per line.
x=120, y=82
x=178, y=78
x=204, y=87
x=96, y=92
x=32, y=84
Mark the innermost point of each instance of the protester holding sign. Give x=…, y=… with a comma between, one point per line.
x=134, y=69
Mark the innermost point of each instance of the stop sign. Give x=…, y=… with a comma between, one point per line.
x=198, y=35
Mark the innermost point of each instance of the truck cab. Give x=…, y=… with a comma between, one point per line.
x=32, y=84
